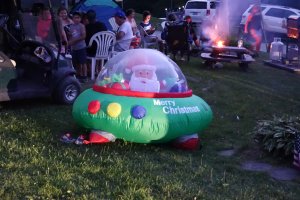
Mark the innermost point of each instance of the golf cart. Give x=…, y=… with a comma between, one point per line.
x=30, y=65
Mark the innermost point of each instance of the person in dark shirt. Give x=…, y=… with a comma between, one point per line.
x=253, y=26
x=93, y=27
x=192, y=33
x=171, y=41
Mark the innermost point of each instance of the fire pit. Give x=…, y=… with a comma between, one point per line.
x=293, y=33
x=221, y=53
x=293, y=27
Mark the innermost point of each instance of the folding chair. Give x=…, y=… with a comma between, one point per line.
x=147, y=40
x=177, y=40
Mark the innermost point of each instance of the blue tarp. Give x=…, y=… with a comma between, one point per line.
x=105, y=9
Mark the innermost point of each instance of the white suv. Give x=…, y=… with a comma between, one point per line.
x=274, y=18
x=200, y=9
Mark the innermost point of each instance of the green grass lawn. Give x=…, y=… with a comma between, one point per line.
x=34, y=164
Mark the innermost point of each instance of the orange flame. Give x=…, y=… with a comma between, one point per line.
x=220, y=43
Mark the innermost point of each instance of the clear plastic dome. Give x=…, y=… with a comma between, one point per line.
x=142, y=70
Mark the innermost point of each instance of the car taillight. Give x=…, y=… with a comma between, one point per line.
x=207, y=12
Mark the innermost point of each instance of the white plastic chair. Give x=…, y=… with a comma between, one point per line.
x=105, y=41
x=147, y=40
x=113, y=24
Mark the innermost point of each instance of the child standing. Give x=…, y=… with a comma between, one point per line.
x=44, y=25
x=64, y=23
x=77, y=36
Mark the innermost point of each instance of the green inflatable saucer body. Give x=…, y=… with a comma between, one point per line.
x=142, y=96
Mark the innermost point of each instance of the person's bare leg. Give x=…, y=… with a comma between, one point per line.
x=197, y=43
x=258, y=44
x=257, y=39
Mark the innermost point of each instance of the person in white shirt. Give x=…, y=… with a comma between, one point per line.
x=135, y=43
x=130, y=14
x=124, y=33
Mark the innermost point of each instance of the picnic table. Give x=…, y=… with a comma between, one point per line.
x=230, y=54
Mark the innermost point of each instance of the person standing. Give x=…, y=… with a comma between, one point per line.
x=124, y=33
x=253, y=26
x=91, y=28
x=64, y=23
x=192, y=32
x=44, y=24
x=77, y=42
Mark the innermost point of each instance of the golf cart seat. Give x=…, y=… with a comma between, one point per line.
x=34, y=60
x=177, y=39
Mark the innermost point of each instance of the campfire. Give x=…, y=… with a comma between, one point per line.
x=215, y=36
x=220, y=43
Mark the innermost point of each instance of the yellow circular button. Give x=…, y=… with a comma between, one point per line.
x=114, y=109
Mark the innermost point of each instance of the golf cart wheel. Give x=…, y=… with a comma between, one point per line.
x=67, y=91
x=243, y=66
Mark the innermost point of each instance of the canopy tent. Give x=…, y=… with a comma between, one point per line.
x=105, y=9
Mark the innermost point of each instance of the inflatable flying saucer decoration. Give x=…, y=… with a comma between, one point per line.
x=142, y=96
x=142, y=73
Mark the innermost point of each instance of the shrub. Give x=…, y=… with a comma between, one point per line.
x=277, y=136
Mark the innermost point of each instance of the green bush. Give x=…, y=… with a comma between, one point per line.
x=277, y=136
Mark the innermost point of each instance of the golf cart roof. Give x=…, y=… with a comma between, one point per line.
x=27, y=5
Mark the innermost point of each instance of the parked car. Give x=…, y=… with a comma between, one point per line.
x=274, y=19
x=200, y=9
x=30, y=66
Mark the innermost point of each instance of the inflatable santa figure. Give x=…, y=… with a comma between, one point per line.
x=144, y=79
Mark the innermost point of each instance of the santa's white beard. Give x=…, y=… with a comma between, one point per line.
x=144, y=84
